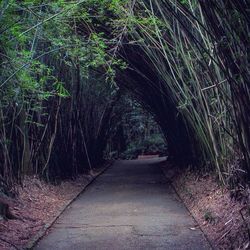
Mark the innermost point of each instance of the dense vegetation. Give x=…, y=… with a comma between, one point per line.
x=65, y=66
x=135, y=132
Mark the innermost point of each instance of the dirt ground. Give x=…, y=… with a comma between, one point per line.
x=36, y=204
x=225, y=220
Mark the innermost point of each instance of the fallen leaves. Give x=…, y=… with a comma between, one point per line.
x=219, y=216
x=37, y=203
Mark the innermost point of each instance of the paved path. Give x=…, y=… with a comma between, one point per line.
x=130, y=206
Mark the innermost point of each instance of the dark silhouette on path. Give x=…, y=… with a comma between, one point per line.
x=130, y=206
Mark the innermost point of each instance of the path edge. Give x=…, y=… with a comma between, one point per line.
x=189, y=211
x=40, y=234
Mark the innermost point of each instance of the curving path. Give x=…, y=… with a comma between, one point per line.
x=130, y=206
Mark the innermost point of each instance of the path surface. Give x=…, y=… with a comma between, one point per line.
x=130, y=206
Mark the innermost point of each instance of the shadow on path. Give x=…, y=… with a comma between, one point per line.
x=130, y=206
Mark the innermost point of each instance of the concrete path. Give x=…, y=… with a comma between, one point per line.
x=130, y=206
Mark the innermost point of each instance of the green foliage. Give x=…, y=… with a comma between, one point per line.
x=137, y=132
x=210, y=217
x=194, y=76
x=154, y=145
x=61, y=90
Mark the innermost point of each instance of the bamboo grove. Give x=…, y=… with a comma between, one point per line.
x=64, y=66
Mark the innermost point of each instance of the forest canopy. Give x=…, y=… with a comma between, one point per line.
x=66, y=64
